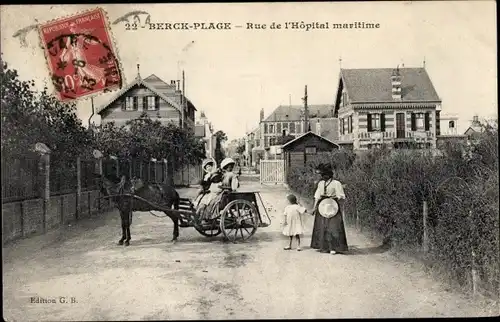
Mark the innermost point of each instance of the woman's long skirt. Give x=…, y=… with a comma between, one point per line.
x=329, y=233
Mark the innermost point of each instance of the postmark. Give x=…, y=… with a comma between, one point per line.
x=80, y=55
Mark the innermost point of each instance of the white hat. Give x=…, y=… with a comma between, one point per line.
x=207, y=162
x=226, y=162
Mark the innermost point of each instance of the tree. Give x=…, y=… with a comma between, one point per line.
x=220, y=137
x=145, y=139
x=240, y=149
x=29, y=117
x=284, y=139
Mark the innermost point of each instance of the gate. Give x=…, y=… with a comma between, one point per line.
x=272, y=171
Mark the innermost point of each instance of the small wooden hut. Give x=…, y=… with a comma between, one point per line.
x=305, y=149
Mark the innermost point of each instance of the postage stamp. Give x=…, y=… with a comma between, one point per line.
x=80, y=55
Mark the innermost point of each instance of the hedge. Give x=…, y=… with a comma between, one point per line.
x=386, y=190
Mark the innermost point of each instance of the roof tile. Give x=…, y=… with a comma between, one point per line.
x=374, y=85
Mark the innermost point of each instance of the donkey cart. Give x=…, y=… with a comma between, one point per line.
x=234, y=214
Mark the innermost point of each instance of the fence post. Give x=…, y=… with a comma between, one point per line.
x=130, y=173
x=425, y=242
x=474, y=274
x=44, y=166
x=117, y=162
x=358, y=226
x=78, y=186
x=45, y=158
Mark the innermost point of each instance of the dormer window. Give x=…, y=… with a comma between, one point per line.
x=451, y=124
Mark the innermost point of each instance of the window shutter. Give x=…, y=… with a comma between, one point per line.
x=369, y=125
x=382, y=122
x=136, y=103
x=157, y=103
x=438, y=125
x=427, y=121
x=413, y=122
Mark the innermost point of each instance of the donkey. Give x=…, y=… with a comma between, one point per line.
x=160, y=194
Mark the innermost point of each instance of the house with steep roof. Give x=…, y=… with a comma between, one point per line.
x=395, y=107
x=160, y=100
x=288, y=121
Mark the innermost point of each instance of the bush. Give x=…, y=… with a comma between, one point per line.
x=387, y=188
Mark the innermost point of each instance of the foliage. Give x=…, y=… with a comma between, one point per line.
x=29, y=117
x=387, y=189
x=284, y=139
x=240, y=149
x=220, y=137
x=145, y=138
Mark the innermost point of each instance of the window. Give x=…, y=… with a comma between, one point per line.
x=271, y=128
x=272, y=141
x=265, y=128
x=344, y=99
x=420, y=121
x=299, y=128
x=278, y=127
x=376, y=122
x=310, y=149
x=451, y=124
x=150, y=103
x=285, y=126
x=129, y=103
x=292, y=127
x=349, y=124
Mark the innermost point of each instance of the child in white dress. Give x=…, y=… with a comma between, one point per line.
x=292, y=223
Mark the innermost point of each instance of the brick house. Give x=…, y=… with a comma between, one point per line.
x=396, y=107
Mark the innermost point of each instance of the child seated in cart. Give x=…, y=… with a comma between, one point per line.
x=229, y=183
x=212, y=175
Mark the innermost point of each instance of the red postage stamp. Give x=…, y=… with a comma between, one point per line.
x=80, y=55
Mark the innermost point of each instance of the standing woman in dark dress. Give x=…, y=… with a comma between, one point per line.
x=328, y=234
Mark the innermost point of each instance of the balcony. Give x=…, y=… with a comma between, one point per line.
x=389, y=136
x=449, y=132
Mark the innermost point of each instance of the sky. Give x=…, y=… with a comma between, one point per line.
x=232, y=74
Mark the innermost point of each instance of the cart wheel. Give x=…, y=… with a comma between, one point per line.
x=239, y=220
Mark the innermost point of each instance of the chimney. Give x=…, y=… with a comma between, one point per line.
x=318, y=128
x=475, y=120
x=262, y=115
x=396, y=84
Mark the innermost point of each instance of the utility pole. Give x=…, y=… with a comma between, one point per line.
x=91, y=115
x=183, y=101
x=306, y=112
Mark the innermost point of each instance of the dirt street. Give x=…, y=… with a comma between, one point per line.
x=203, y=278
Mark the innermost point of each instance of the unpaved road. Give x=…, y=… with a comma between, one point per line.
x=202, y=278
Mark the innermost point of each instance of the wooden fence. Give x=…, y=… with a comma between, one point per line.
x=272, y=171
x=153, y=171
x=42, y=194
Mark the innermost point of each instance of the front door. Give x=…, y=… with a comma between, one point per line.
x=400, y=125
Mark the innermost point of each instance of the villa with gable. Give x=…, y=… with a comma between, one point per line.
x=160, y=100
x=394, y=107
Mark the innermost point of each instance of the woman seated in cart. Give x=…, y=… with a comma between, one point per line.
x=209, y=195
